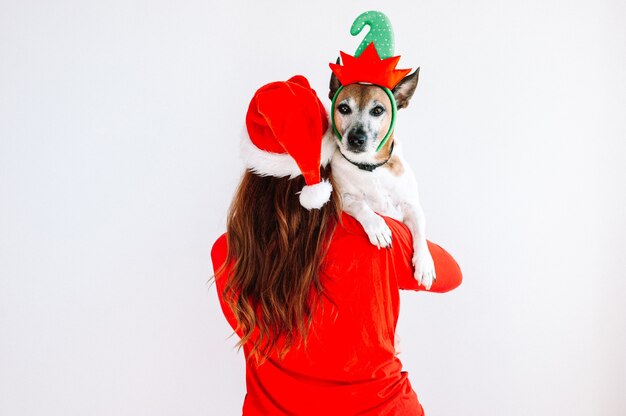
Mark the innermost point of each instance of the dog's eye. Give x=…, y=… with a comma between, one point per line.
x=344, y=109
x=376, y=111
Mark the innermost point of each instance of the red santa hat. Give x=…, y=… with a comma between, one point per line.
x=286, y=125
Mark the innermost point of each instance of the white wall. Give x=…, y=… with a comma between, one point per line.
x=119, y=126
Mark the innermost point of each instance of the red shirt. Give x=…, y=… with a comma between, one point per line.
x=349, y=366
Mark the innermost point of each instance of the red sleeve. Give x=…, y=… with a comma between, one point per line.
x=446, y=268
x=218, y=257
x=219, y=252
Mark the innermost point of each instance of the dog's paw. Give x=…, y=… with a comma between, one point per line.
x=378, y=231
x=424, y=267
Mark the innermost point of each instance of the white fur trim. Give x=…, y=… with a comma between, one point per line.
x=315, y=196
x=267, y=163
x=279, y=164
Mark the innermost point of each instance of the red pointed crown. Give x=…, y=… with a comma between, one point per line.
x=369, y=68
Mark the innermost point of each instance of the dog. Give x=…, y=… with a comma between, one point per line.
x=372, y=181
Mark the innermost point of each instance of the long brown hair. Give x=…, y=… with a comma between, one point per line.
x=276, y=248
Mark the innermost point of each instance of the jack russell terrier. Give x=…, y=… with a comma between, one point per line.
x=369, y=170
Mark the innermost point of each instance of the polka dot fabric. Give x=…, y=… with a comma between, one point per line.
x=380, y=33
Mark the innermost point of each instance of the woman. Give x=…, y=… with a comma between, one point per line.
x=314, y=303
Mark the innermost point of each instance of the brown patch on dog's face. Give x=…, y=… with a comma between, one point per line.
x=362, y=116
x=395, y=166
x=385, y=152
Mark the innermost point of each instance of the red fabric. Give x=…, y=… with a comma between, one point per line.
x=350, y=366
x=288, y=117
x=368, y=67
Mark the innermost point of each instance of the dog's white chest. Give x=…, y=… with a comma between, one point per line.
x=379, y=189
x=381, y=201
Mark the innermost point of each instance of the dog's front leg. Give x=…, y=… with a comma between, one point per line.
x=422, y=260
x=376, y=228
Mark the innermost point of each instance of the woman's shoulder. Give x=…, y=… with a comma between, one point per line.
x=349, y=228
x=219, y=251
x=348, y=225
x=350, y=241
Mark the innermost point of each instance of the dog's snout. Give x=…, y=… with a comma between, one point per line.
x=356, y=138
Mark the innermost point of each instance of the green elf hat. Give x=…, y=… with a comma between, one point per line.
x=372, y=63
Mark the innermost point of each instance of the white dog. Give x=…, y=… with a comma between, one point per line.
x=375, y=180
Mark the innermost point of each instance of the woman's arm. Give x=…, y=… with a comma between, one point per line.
x=219, y=252
x=448, y=272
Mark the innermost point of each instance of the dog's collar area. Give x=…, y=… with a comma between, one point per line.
x=370, y=166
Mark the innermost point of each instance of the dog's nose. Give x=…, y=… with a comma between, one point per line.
x=356, y=138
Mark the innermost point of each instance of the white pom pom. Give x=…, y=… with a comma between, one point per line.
x=315, y=196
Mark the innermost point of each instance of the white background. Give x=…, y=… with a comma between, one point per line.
x=119, y=129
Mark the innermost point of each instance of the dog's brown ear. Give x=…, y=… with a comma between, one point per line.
x=405, y=89
x=334, y=83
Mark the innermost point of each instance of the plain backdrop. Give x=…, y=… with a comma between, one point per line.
x=119, y=130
